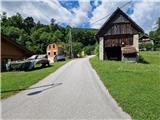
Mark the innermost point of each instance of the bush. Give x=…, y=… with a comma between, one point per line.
x=146, y=46
x=89, y=50
x=76, y=48
x=96, y=50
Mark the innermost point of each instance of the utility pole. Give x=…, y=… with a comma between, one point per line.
x=70, y=43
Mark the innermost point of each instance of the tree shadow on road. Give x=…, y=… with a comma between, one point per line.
x=40, y=91
x=48, y=85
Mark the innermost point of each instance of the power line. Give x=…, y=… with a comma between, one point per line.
x=110, y=13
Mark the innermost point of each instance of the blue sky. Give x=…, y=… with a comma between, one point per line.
x=83, y=13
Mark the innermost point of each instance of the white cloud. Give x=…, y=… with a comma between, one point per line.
x=28, y=9
x=80, y=15
x=47, y=9
x=105, y=9
x=25, y=9
x=57, y=12
x=146, y=13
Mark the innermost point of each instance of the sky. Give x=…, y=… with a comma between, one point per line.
x=84, y=13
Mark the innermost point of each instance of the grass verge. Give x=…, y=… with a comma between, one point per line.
x=135, y=86
x=22, y=80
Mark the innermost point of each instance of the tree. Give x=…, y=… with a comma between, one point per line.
x=158, y=23
x=23, y=38
x=156, y=36
x=89, y=50
x=12, y=32
x=53, y=21
x=57, y=36
x=53, y=26
x=28, y=24
x=77, y=47
x=86, y=37
x=4, y=17
x=16, y=21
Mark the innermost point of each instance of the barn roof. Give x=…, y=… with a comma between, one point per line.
x=105, y=26
x=14, y=43
x=144, y=36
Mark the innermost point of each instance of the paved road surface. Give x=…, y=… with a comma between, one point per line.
x=73, y=92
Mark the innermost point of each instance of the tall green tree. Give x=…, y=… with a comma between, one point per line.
x=28, y=24
x=156, y=35
x=11, y=31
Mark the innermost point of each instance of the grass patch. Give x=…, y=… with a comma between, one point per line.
x=22, y=80
x=135, y=86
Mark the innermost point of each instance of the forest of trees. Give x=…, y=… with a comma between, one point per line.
x=35, y=36
x=155, y=35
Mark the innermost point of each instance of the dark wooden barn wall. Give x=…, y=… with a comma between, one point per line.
x=120, y=25
x=116, y=41
x=120, y=19
x=121, y=28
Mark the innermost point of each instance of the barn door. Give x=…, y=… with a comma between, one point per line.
x=113, y=53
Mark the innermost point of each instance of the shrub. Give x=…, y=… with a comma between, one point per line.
x=96, y=50
x=89, y=50
x=146, y=46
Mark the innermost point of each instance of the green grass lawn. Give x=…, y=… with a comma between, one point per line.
x=135, y=86
x=21, y=80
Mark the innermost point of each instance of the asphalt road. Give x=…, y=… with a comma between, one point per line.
x=73, y=92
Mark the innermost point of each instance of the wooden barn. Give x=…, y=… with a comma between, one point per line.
x=119, y=37
x=11, y=51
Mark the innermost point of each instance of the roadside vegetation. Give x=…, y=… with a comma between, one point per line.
x=36, y=36
x=155, y=35
x=135, y=86
x=13, y=82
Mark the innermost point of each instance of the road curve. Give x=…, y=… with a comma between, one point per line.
x=73, y=92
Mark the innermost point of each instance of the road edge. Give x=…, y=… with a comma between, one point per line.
x=106, y=93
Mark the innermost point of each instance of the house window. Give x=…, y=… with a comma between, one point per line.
x=48, y=53
x=54, y=53
x=49, y=46
x=53, y=46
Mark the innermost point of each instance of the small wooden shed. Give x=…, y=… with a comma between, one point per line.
x=119, y=37
x=146, y=39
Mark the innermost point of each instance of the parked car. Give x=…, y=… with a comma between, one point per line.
x=59, y=58
x=29, y=63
